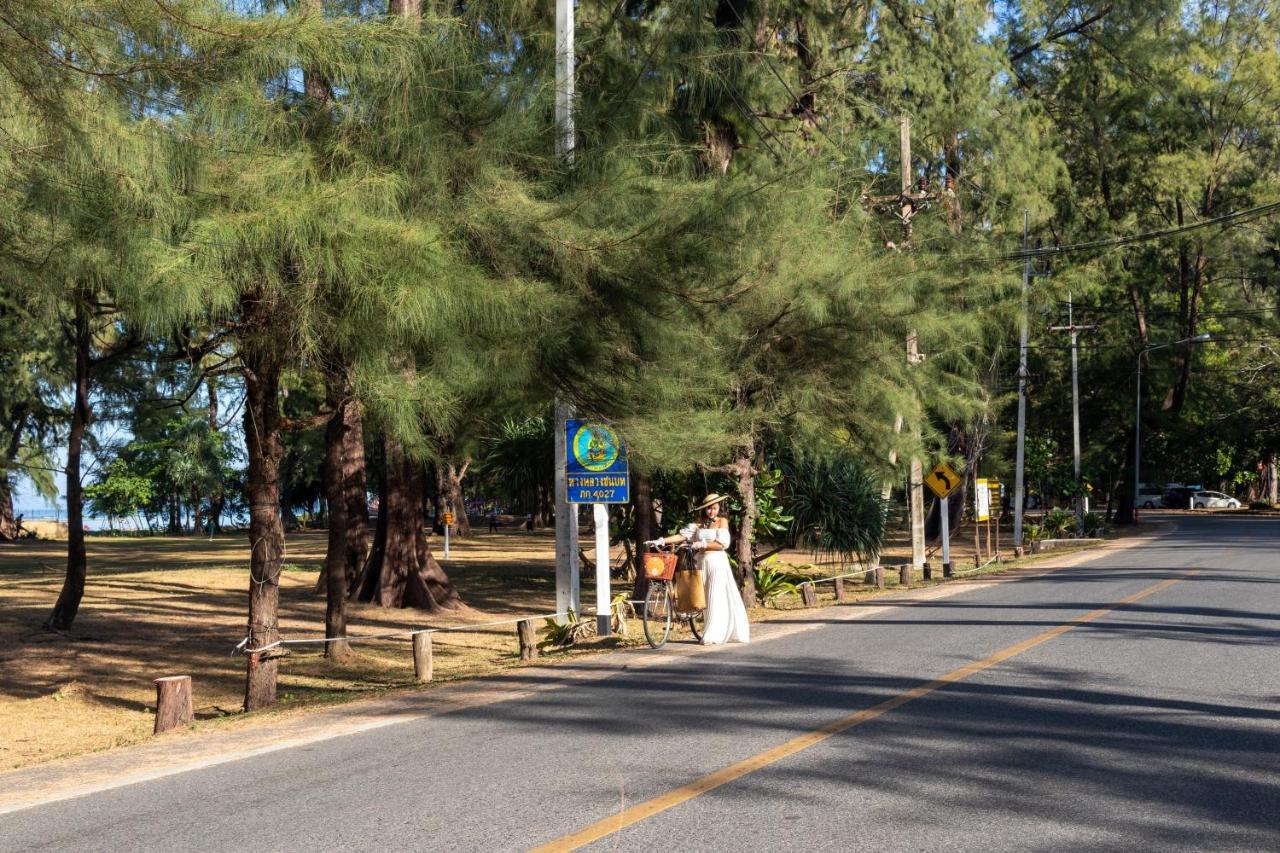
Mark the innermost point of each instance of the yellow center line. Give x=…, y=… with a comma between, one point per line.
x=698, y=787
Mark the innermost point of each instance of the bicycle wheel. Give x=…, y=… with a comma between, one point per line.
x=698, y=624
x=657, y=613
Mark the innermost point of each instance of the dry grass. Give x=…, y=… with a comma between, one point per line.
x=176, y=605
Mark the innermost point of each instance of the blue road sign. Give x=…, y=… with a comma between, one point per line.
x=596, y=468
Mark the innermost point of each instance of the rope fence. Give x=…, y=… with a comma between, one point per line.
x=524, y=623
x=403, y=634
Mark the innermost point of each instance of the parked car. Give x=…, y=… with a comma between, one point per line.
x=1149, y=497
x=1177, y=497
x=1215, y=500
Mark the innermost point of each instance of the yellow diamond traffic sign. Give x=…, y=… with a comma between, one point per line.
x=942, y=480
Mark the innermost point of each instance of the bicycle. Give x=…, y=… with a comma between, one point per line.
x=661, y=604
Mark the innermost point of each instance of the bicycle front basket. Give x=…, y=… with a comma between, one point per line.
x=660, y=565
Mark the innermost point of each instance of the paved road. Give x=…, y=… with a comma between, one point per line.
x=1154, y=725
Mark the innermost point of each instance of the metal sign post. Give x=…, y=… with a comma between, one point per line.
x=604, y=619
x=946, y=539
x=448, y=522
x=942, y=481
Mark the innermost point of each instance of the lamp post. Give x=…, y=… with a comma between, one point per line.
x=1137, y=418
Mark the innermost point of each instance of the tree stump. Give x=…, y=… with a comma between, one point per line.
x=173, y=703
x=808, y=594
x=904, y=574
x=422, y=663
x=928, y=571
x=839, y=585
x=527, y=636
x=878, y=574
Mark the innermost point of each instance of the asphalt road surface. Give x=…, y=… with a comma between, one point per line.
x=1131, y=703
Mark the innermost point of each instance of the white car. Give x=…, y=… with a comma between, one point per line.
x=1214, y=500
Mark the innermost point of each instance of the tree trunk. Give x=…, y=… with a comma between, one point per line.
x=367, y=583
x=454, y=498
x=1274, y=480
x=64, y=611
x=642, y=530
x=266, y=535
x=197, y=515
x=437, y=499
x=335, y=560
x=746, y=527
x=217, y=500
x=8, y=525
x=357, y=500
x=1127, y=500
x=405, y=573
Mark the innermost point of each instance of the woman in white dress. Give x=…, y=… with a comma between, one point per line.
x=726, y=618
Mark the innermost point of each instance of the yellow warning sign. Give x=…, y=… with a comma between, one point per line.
x=942, y=480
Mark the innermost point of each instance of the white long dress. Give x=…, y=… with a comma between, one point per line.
x=726, y=620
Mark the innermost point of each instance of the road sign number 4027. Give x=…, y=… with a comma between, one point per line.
x=596, y=470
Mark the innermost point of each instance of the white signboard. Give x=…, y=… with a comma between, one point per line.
x=982, y=500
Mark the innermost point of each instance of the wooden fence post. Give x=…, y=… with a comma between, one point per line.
x=808, y=594
x=904, y=574
x=878, y=574
x=528, y=640
x=839, y=585
x=423, y=666
x=173, y=703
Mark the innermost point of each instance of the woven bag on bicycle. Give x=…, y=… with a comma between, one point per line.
x=660, y=565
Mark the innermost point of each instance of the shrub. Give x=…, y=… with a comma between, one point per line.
x=771, y=582
x=1094, y=522
x=1058, y=523
x=567, y=633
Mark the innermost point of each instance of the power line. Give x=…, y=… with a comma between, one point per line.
x=1234, y=218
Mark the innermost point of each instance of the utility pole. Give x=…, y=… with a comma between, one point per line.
x=915, y=477
x=568, y=582
x=1019, y=494
x=905, y=205
x=1075, y=331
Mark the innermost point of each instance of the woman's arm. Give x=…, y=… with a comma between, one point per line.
x=683, y=536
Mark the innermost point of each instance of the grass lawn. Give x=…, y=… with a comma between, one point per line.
x=176, y=606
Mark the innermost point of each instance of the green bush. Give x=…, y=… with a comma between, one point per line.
x=771, y=582
x=1058, y=523
x=1093, y=521
x=564, y=634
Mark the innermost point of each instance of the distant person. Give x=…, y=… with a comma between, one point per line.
x=493, y=520
x=528, y=522
x=726, y=617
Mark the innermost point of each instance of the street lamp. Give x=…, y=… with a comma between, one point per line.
x=1137, y=419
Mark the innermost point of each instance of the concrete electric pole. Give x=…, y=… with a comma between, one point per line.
x=1075, y=331
x=568, y=582
x=1019, y=493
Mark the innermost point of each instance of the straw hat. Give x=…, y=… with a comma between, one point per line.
x=713, y=498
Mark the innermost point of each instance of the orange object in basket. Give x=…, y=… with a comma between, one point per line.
x=660, y=565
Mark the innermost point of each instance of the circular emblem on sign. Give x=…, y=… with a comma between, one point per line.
x=595, y=447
